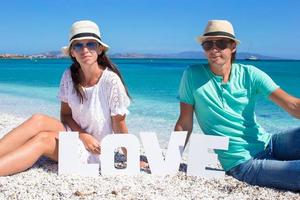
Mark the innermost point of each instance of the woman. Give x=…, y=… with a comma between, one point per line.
x=94, y=102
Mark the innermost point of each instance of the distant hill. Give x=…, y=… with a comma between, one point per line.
x=180, y=55
x=50, y=54
x=245, y=55
x=188, y=55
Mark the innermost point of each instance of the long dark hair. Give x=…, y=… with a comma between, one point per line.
x=102, y=60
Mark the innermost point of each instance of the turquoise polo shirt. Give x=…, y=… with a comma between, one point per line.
x=227, y=109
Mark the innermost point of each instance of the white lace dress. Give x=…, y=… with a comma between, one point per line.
x=105, y=99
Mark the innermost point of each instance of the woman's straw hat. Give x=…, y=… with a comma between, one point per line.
x=218, y=28
x=84, y=29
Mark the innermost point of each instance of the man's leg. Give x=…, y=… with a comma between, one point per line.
x=286, y=145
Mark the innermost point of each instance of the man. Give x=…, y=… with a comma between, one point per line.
x=222, y=94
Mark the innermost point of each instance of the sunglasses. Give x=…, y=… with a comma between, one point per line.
x=92, y=46
x=220, y=44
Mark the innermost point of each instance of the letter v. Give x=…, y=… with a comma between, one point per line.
x=157, y=164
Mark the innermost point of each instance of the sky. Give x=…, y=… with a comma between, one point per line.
x=269, y=28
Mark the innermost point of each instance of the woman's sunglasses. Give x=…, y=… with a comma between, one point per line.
x=220, y=44
x=92, y=46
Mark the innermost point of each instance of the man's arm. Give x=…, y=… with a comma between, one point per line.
x=287, y=102
x=185, y=120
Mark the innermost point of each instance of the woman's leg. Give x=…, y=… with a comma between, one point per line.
x=44, y=143
x=28, y=129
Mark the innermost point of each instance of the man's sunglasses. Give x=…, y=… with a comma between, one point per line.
x=220, y=44
x=92, y=46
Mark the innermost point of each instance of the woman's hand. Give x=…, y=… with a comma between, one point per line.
x=91, y=144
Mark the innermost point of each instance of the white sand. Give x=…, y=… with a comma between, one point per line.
x=42, y=182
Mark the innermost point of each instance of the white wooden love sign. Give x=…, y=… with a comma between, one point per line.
x=198, y=156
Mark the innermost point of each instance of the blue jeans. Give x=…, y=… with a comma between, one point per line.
x=277, y=166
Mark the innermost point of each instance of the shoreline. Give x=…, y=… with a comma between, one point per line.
x=42, y=182
x=156, y=58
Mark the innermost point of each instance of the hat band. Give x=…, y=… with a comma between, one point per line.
x=219, y=33
x=79, y=35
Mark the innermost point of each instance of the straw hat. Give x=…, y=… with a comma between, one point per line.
x=218, y=28
x=81, y=30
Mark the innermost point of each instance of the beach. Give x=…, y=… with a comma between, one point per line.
x=43, y=182
x=28, y=87
x=173, y=59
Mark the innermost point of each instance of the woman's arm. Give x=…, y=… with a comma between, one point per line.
x=90, y=143
x=185, y=120
x=287, y=102
x=119, y=126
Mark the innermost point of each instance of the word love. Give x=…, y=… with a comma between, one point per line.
x=199, y=156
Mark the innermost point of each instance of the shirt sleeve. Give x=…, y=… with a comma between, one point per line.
x=118, y=100
x=63, y=87
x=186, y=87
x=263, y=83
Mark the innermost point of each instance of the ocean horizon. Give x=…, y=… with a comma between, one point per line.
x=29, y=86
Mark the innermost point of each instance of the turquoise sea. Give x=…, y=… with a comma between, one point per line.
x=30, y=86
